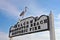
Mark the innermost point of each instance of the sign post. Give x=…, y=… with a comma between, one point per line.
x=10, y=38
x=51, y=26
x=32, y=25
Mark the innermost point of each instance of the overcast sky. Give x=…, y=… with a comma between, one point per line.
x=9, y=15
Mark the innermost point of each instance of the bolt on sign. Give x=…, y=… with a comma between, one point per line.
x=30, y=25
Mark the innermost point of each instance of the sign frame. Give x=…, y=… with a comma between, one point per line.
x=34, y=31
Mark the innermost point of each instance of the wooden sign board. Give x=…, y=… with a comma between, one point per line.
x=30, y=25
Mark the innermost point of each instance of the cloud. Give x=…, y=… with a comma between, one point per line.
x=57, y=17
x=57, y=34
x=8, y=7
x=13, y=11
x=57, y=20
x=34, y=36
x=38, y=36
x=3, y=36
x=33, y=10
x=57, y=24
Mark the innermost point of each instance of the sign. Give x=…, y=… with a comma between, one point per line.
x=30, y=25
